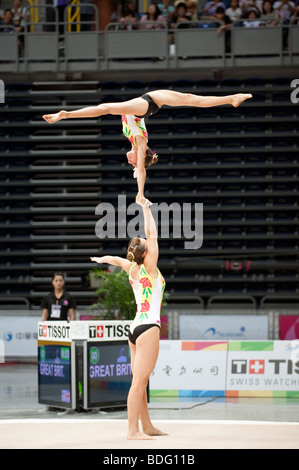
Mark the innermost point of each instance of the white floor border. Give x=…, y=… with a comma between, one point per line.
x=174, y=421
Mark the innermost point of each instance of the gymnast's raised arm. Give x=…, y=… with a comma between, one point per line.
x=114, y=261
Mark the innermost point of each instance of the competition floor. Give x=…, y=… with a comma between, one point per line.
x=206, y=423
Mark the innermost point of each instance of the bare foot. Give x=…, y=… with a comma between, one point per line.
x=139, y=436
x=142, y=201
x=152, y=431
x=52, y=118
x=239, y=98
x=145, y=202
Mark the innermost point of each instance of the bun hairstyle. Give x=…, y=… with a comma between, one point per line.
x=136, y=251
x=151, y=157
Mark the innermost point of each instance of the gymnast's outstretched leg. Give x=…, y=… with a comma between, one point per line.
x=176, y=98
x=139, y=106
x=136, y=106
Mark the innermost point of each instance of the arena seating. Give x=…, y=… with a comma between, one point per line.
x=49, y=46
x=242, y=164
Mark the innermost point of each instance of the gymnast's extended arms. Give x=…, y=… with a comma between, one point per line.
x=114, y=260
x=140, y=170
x=151, y=234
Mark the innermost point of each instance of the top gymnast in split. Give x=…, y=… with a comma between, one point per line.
x=148, y=286
x=141, y=108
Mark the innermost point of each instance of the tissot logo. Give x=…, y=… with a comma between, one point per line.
x=259, y=366
x=96, y=331
x=253, y=366
x=256, y=366
x=54, y=331
x=42, y=330
x=100, y=331
x=108, y=331
x=239, y=366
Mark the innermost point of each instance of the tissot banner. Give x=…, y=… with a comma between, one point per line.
x=263, y=368
x=231, y=368
x=77, y=330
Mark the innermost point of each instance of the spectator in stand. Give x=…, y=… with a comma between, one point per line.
x=222, y=19
x=153, y=18
x=210, y=7
x=7, y=25
x=167, y=10
x=248, y=5
x=234, y=11
x=252, y=15
x=192, y=9
x=269, y=15
x=129, y=18
x=58, y=305
x=19, y=15
x=285, y=10
x=242, y=5
x=19, y=19
x=224, y=24
x=180, y=16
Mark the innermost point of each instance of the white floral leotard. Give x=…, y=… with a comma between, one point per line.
x=148, y=293
x=132, y=127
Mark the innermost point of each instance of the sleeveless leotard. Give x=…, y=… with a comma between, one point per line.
x=133, y=126
x=148, y=293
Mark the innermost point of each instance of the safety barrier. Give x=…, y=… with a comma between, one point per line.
x=49, y=45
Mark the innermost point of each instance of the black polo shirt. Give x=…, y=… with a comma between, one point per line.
x=58, y=308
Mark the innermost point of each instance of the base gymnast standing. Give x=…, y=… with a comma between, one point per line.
x=135, y=111
x=148, y=286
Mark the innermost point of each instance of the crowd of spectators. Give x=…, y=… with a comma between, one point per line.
x=171, y=13
x=220, y=14
x=225, y=13
x=13, y=19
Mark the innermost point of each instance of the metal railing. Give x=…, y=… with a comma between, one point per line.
x=50, y=45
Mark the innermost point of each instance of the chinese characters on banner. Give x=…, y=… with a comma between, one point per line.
x=192, y=367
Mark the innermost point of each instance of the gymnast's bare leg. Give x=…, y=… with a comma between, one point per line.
x=143, y=359
x=138, y=106
x=147, y=425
